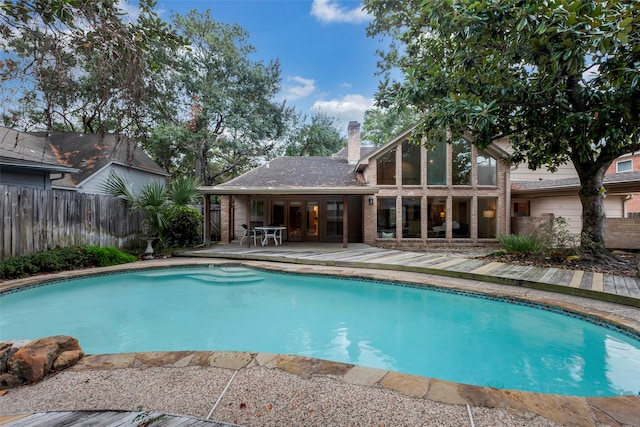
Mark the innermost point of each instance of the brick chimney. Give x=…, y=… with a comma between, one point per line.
x=353, y=147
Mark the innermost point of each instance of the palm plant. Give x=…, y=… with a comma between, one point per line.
x=155, y=201
x=151, y=202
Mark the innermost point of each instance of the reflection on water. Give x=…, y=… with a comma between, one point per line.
x=622, y=365
x=423, y=332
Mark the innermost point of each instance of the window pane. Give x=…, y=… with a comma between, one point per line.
x=437, y=164
x=312, y=219
x=436, y=207
x=386, y=168
x=257, y=213
x=461, y=162
x=487, y=170
x=411, y=217
x=386, y=217
x=487, y=218
x=460, y=218
x=410, y=163
x=335, y=210
x=624, y=166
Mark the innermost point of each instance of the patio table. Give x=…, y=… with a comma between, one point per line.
x=269, y=231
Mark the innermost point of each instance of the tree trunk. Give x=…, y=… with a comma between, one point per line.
x=593, y=216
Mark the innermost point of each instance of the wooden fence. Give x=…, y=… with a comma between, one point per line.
x=38, y=220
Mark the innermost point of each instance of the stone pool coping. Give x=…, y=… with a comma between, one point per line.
x=566, y=410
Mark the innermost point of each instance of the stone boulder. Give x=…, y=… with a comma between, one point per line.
x=36, y=359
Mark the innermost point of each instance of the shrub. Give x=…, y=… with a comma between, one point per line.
x=184, y=225
x=521, y=244
x=558, y=242
x=104, y=257
x=69, y=258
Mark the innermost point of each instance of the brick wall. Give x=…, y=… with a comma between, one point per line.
x=619, y=233
x=622, y=233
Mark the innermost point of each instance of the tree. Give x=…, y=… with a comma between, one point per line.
x=559, y=77
x=225, y=116
x=79, y=65
x=321, y=137
x=381, y=125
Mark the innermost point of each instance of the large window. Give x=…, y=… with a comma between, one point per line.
x=487, y=170
x=257, y=213
x=437, y=164
x=461, y=162
x=460, y=218
x=411, y=226
x=436, y=221
x=411, y=163
x=487, y=218
x=335, y=212
x=386, y=168
x=386, y=217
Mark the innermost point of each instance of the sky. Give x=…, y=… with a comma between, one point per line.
x=328, y=64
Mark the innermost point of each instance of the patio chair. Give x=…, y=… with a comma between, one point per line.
x=248, y=234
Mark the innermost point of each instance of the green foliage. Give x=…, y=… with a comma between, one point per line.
x=226, y=99
x=321, y=137
x=381, y=125
x=552, y=239
x=521, y=244
x=78, y=65
x=104, y=257
x=186, y=222
x=559, y=78
x=69, y=258
x=159, y=205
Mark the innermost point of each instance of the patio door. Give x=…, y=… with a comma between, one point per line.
x=312, y=222
x=296, y=221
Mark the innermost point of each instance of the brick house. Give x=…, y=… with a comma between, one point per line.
x=624, y=165
x=397, y=194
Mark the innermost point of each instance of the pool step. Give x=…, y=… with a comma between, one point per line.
x=221, y=274
x=215, y=278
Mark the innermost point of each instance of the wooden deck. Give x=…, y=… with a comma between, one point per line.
x=107, y=419
x=607, y=287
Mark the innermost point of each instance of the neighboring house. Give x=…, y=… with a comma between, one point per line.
x=27, y=160
x=397, y=194
x=96, y=157
x=625, y=164
x=542, y=194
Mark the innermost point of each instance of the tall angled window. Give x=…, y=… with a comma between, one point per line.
x=487, y=170
x=386, y=168
x=437, y=164
x=411, y=162
x=461, y=162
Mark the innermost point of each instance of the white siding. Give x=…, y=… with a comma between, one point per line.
x=523, y=173
x=137, y=177
x=570, y=209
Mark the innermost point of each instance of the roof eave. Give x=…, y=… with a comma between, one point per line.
x=219, y=190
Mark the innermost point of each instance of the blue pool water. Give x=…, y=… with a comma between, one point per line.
x=401, y=328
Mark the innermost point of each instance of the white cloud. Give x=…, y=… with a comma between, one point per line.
x=351, y=107
x=328, y=11
x=301, y=89
x=131, y=11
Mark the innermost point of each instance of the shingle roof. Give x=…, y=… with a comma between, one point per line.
x=299, y=174
x=91, y=152
x=27, y=151
x=623, y=181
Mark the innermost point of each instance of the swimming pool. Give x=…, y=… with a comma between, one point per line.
x=413, y=330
